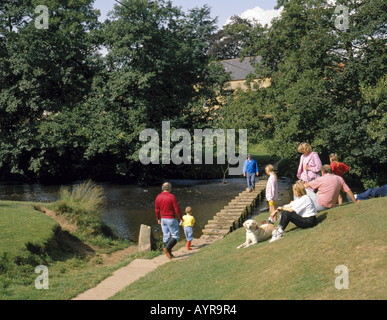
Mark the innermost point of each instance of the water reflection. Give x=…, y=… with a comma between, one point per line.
x=129, y=206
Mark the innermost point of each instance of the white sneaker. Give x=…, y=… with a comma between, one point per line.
x=277, y=234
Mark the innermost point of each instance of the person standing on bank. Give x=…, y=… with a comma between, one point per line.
x=310, y=163
x=250, y=169
x=271, y=188
x=166, y=209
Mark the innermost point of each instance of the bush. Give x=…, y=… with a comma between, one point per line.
x=82, y=206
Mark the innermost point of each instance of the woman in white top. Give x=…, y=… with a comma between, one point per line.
x=302, y=212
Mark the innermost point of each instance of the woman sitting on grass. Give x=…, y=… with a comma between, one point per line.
x=302, y=212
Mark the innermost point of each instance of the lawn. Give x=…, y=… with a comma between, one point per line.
x=21, y=225
x=299, y=266
x=29, y=238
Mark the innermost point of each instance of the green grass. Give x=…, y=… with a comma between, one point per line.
x=29, y=238
x=22, y=226
x=299, y=266
x=262, y=155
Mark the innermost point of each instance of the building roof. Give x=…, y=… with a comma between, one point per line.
x=240, y=69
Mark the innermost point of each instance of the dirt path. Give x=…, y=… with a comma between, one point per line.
x=138, y=268
x=61, y=220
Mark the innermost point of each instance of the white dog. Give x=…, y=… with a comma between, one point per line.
x=255, y=233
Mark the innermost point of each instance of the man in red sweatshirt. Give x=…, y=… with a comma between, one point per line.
x=166, y=207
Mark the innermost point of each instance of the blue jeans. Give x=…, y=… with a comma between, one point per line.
x=250, y=176
x=170, y=227
x=188, y=231
x=373, y=193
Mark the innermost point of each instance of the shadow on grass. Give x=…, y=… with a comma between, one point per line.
x=65, y=246
x=4, y=204
x=320, y=218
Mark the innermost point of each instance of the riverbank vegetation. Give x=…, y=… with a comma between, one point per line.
x=82, y=206
x=68, y=112
x=302, y=265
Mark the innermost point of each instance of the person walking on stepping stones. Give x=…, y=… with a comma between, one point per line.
x=250, y=169
x=166, y=209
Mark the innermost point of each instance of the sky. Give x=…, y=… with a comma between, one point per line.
x=262, y=10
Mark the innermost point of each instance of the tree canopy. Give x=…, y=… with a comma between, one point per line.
x=66, y=110
x=69, y=111
x=327, y=85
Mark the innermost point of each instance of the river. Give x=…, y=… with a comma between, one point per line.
x=129, y=206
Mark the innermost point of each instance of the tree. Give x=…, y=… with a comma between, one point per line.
x=326, y=82
x=41, y=70
x=231, y=39
x=157, y=69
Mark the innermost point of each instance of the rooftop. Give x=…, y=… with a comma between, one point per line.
x=240, y=69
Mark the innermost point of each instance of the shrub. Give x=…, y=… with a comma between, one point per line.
x=82, y=205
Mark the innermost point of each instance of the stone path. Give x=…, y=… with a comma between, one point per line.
x=138, y=268
x=234, y=214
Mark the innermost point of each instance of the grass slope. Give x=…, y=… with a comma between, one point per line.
x=299, y=266
x=22, y=226
x=29, y=238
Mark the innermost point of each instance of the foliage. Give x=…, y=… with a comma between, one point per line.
x=327, y=85
x=67, y=112
x=82, y=206
x=231, y=39
x=40, y=70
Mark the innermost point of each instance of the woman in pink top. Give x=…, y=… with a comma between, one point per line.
x=310, y=163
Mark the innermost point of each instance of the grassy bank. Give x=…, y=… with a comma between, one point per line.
x=299, y=266
x=29, y=238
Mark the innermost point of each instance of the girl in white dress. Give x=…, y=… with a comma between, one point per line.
x=271, y=188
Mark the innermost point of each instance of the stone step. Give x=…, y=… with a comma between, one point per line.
x=221, y=220
x=236, y=208
x=238, y=204
x=219, y=226
x=226, y=217
x=248, y=196
x=232, y=215
x=240, y=201
x=240, y=209
x=233, y=211
x=210, y=238
x=230, y=212
x=216, y=232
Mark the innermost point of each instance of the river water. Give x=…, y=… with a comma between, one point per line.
x=129, y=206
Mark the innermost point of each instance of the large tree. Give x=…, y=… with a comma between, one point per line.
x=157, y=68
x=326, y=82
x=41, y=69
